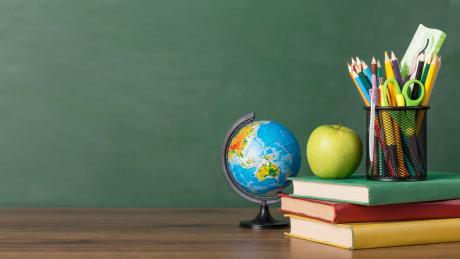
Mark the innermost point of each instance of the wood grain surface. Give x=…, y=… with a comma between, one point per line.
x=167, y=233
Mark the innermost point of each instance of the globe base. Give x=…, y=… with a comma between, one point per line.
x=264, y=220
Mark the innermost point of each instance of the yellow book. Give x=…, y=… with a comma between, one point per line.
x=376, y=234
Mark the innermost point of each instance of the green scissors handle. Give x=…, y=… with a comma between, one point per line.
x=407, y=93
x=403, y=98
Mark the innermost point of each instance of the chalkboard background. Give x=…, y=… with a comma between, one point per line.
x=114, y=103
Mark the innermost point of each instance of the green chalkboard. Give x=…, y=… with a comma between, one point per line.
x=114, y=103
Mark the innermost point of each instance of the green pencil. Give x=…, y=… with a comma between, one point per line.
x=363, y=78
x=427, y=68
x=379, y=72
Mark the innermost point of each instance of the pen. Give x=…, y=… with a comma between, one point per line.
x=374, y=100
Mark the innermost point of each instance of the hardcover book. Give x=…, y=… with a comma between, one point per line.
x=357, y=189
x=376, y=234
x=337, y=212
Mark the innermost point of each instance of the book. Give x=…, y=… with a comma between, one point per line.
x=337, y=212
x=376, y=234
x=358, y=190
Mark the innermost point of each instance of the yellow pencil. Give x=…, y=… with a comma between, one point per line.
x=434, y=79
x=437, y=71
x=381, y=101
x=430, y=84
x=389, y=73
x=430, y=80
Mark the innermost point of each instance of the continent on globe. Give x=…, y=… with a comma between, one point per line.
x=240, y=141
x=266, y=170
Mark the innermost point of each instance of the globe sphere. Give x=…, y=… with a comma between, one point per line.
x=261, y=156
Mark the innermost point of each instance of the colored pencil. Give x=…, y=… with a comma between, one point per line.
x=358, y=63
x=381, y=101
x=353, y=64
x=380, y=78
x=390, y=148
x=367, y=71
x=379, y=72
x=361, y=91
x=418, y=76
x=426, y=69
x=363, y=78
x=439, y=63
x=429, y=80
x=374, y=66
x=390, y=75
x=402, y=170
x=437, y=72
x=396, y=72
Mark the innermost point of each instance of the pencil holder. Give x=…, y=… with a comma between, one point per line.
x=399, y=144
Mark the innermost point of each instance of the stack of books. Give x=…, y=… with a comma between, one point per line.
x=356, y=213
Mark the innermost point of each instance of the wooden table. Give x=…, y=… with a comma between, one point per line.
x=167, y=233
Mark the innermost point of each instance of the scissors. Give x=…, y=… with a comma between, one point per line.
x=403, y=96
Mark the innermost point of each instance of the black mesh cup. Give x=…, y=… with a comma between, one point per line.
x=399, y=148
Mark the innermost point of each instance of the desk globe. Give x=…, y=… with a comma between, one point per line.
x=257, y=158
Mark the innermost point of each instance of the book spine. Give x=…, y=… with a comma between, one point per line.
x=282, y=211
x=340, y=213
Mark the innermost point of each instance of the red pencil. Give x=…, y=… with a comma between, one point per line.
x=374, y=66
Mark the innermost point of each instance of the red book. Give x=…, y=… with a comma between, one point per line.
x=337, y=212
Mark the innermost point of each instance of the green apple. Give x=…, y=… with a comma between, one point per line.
x=334, y=151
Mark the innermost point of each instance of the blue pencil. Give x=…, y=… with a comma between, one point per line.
x=367, y=71
x=361, y=86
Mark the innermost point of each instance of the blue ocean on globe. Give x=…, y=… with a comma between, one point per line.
x=261, y=156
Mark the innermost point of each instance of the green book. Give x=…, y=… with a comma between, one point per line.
x=357, y=189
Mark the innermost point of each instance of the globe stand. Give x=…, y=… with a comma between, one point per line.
x=264, y=220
